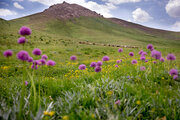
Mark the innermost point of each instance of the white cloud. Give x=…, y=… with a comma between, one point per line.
x=173, y=8
x=17, y=5
x=121, y=1
x=103, y=9
x=6, y=12
x=140, y=15
x=176, y=26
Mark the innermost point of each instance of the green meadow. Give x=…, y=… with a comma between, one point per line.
x=65, y=92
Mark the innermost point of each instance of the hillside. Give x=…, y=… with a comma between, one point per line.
x=79, y=23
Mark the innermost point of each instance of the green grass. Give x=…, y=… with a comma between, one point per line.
x=76, y=94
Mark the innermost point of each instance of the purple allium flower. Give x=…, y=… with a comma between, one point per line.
x=36, y=51
x=116, y=65
x=24, y=30
x=8, y=53
x=99, y=63
x=36, y=62
x=154, y=62
x=131, y=54
x=105, y=58
x=140, y=52
x=162, y=59
x=175, y=77
x=144, y=53
x=134, y=61
x=34, y=67
x=43, y=61
x=82, y=67
x=93, y=64
x=171, y=57
x=22, y=40
x=50, y=63
x=120, y=50
x=143, y=58
x=26, y=83
x=142, y=68
x=150, y=47
x=118, y=102
x=23, y=55
x=173, y=72
x=30, y=59
x=156, y=54
x=118, y=61
x=73, y=57
x=146, y=60
x=44, y=57
x=98, y=69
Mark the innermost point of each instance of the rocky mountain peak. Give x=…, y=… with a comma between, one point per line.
x=68, y=11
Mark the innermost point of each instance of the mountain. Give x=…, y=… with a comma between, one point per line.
x=68, y=11
x=81, y=24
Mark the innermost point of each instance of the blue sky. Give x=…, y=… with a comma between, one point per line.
x=161, y=14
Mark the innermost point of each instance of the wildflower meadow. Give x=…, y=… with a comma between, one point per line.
x=79, y=82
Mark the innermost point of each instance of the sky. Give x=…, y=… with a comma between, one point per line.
x=160, y=14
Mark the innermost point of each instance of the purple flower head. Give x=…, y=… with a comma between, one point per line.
x=156, y=54
x=118, y=61
x=150, y=47
x=24, y=30
x=22, y=40
x=116, y=65
x=43, y=61
x=171, y=57
x=134, y=61
x=44, y=57
x=120, y=50
x=117, y=102
x=146, y=60
x=105, y=58
x=144, y=53
x=34, y=67
x=140, y=52
x=82, y=67
x=30, y=59
x=143, y=58
x=98, y=69
x=162, y=59
x=26, y=83
x=23, y=55
x=36, y=51
x=8, y=53
x=173, y=72
x=99, y=63
x=154, y=62
x=50, y=63
x=175, y=77
x=131, y=54
x=142, y=68
x=93, y=64
x=36, y=62
x=73, y=57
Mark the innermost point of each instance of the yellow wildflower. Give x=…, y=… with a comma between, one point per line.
x=138, y=102
x=51, y=113
x=4, y=67
x=65, y=117
x=109, y=93
x=93, y=116
x=46, y=113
